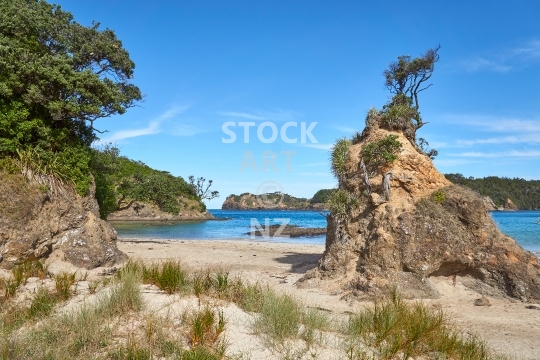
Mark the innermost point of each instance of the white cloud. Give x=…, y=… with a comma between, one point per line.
x=277, y=115
x=531, y=139
x=315, y=174
x=511, y=153
x=506, y=60
x=319, y=146
x=154, y=126
x=478, y=63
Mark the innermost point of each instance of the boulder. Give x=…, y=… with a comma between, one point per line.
x=35, y=224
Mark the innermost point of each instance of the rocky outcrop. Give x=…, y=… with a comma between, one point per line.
x=489, y=204
x=428, y=227
x=288, y=231
x=509, y=205
x=140, y=211
x=34, y=224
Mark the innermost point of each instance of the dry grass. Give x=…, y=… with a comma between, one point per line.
x=116, y=324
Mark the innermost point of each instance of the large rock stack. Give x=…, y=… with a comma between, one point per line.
x=427, y=227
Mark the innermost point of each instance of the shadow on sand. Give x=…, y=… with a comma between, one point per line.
x=300, y=263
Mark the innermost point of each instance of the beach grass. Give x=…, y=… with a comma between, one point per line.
x=118, y=324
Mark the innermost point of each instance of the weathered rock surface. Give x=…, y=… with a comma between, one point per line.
x=34, y=224
x=140, y=211
x=489, y=204
x=293, y=231
x=509, y=205
x=415, y=235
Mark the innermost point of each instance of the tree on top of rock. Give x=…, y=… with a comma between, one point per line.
x=406, y=78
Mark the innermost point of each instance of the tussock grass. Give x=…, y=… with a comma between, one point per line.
x=393, y=329
x=63, y=283
x=279, y=317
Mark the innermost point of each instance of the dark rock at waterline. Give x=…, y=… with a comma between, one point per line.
x=288, y=231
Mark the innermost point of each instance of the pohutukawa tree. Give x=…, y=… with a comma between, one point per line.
x=57, y=78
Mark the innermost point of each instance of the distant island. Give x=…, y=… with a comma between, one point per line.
x=277, y=200
x=499, y=193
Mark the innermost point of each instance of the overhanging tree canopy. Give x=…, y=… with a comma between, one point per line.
x=56, y=78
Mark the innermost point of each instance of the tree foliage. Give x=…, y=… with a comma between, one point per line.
x=203, y=192
x=408, y=76
x=525, y=194
x=56, y=78
x=379, y=153
x=121, y=181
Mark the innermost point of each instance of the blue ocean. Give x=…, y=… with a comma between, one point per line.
x=521, y=225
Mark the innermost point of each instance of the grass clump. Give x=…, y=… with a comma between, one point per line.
x=379, y=153
x=279, y=317
x=339, y=158
x=341, y=202
x=63, y=283
x=393, y=329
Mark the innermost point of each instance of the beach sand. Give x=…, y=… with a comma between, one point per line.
x=507, y=325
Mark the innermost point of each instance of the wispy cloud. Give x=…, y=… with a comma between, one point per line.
x=154, y=126
x=185, y=130
x=277, y=115
x=523, y=139
x=479, y=63
x=506, y=60
x=315, y=174
x=346, y=129
x=316, y=164
x=516, y=130
x=511, y=153
x=319, y=146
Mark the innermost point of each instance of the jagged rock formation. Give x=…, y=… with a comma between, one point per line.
x=428, y=227
x=489, y=204
x=278, y=201
x=141, y=211
x=35, y=224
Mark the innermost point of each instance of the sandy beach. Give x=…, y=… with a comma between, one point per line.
x=509, y=326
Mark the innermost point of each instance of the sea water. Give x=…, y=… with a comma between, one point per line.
x=521, y=225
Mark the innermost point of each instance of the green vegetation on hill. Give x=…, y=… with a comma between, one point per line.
x=121, y=181
x=525, y=194
x=321, y=197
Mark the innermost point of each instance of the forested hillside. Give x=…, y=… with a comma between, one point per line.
x=121, y=181
x=524, y=193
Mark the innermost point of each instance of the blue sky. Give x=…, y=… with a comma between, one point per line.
x=201, y=64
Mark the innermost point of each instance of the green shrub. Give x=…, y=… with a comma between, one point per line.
x=339, y=158
x=378, y=153
x=341, y=202
x=438, y=196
